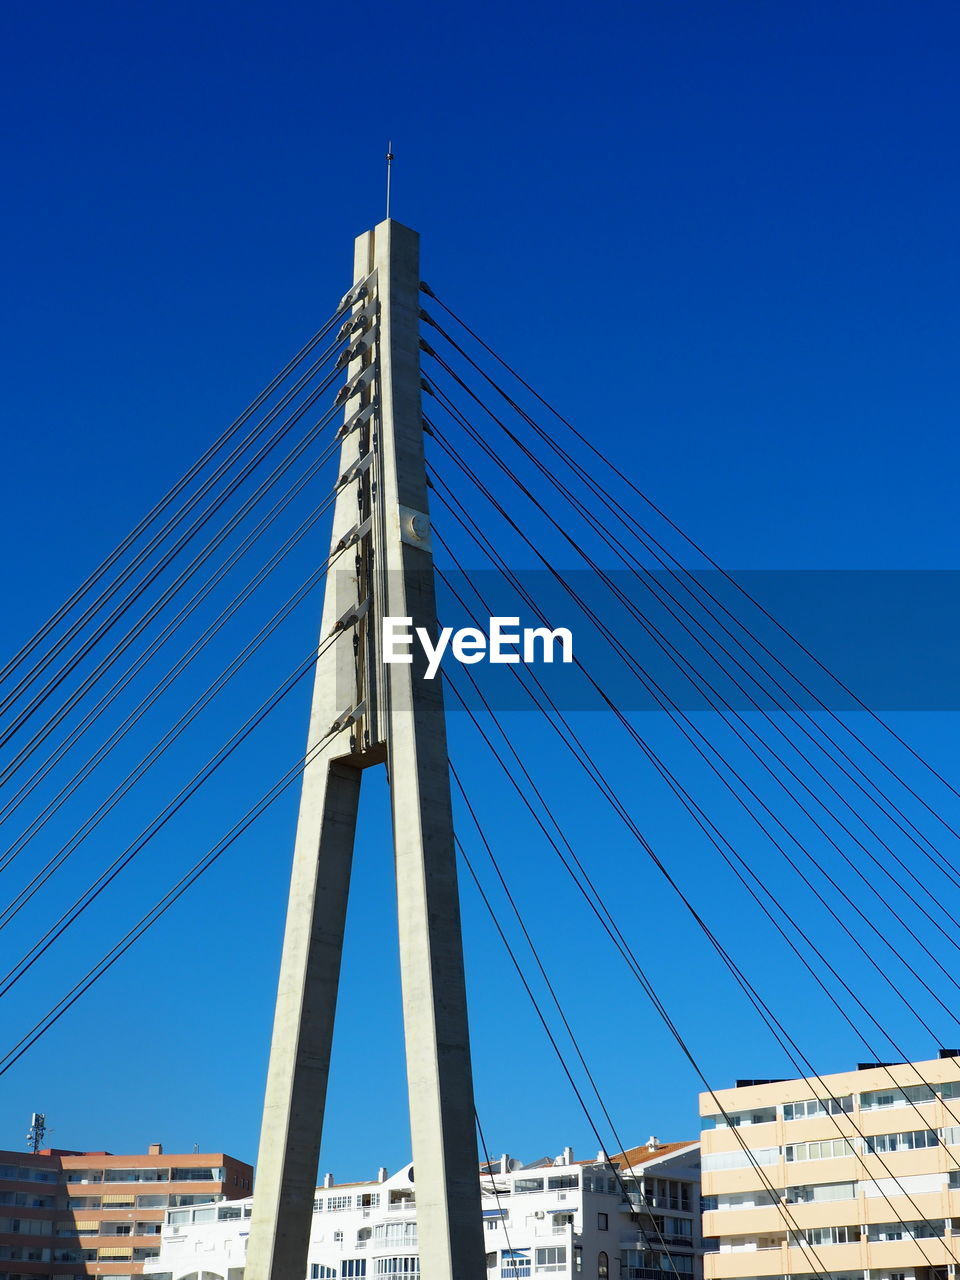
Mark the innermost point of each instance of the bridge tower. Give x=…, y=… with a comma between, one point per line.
x=379, y=714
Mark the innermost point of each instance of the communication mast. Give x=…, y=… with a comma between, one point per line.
x=37, y=1131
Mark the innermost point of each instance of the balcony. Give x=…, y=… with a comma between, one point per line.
x=755, y=1262
x=645, y=1273
x=901, y=1255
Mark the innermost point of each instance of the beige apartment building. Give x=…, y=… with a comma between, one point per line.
x=72, y=1215
x=854, y=1176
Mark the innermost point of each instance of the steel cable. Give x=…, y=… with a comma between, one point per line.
x=168, y=593
x=203, y=864
x=159, y=748
x=656, y=690
x=636, y=525
x=171, y=495
x=38, y=698
x=93, y=891
x=173, y=673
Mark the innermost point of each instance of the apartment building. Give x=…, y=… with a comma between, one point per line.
x=556, y=1217
x=71, y=1214
x=854, y=1175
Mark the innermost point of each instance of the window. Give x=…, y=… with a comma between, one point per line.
x=563, y=1182
x=954, y=1182
x=353, y=1268
x=318, y=1272
x=830, y=1148
x=822, y=1191
x=339, y=1202
x=136, y=1175
x=717, y=1160
x=577, y=1259
x=205, y=1174
x=680, y=1227
x=552, y=1258
x=847, y=1275
x=734, y=1119
x=826, y=1235
x=514, y=1264
x=205, y=1215
x=368, y=1200
x=338, y=1237
x=26, y=1226
x=674, y=1263
x=931, y=1229
x=399, y=1267
x=522, y=1185
x=491, y=1260
x=708, y=1203
x=603, y=1264
x=318, y=1205
x=229, y=1212
x=896, y=1097
x=397, y=1233
x=601, y=1183
x=912, y=1141
x=601, y=1222
x=951, y=1089
x=818, y=1107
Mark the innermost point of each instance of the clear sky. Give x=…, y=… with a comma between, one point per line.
x=723, y=237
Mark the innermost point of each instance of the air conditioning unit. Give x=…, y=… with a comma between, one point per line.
x=539, y=1214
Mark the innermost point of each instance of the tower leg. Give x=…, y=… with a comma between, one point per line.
x=439, y=1078
x=303, y=1026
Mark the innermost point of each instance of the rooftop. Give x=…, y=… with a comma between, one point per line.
x=641, y=1155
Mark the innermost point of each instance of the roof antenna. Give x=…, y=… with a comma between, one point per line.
x=389, y=167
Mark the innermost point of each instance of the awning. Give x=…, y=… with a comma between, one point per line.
x=87, y=1226
x=496, y=1213
x=117, y=1253
x=127, y=1199
x=560, y=1211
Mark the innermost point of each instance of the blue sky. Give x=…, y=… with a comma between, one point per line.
x=722, y=238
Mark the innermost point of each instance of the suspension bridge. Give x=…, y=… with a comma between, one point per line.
x=450, y=488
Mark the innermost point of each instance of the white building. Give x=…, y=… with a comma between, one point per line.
x=559, y=1217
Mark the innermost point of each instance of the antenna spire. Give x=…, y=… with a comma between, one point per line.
x=389, y=168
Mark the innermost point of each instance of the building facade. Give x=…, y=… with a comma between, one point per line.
x=634, y=1216
x=71, y=1214
x=854, y=1175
